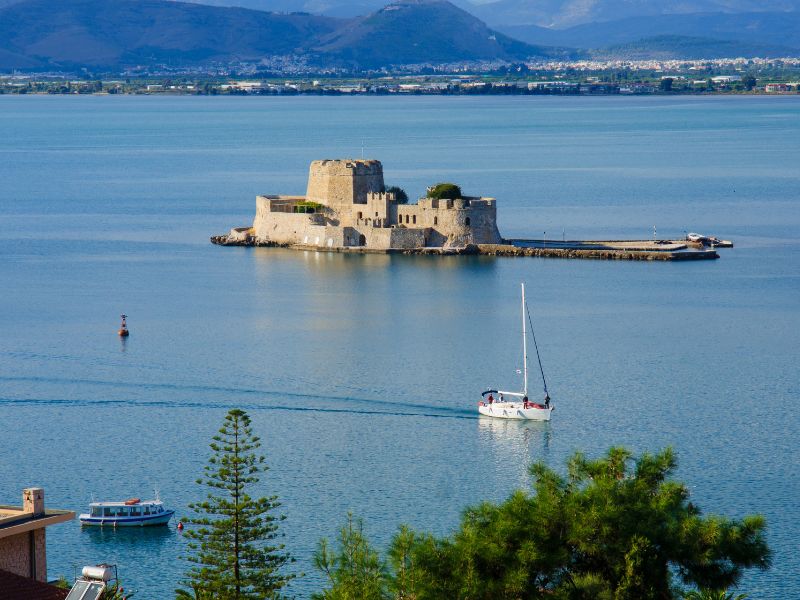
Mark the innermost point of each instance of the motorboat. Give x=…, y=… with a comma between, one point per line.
x=127, y=513
x=516, y=405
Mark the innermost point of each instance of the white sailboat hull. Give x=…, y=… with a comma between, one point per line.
x=515, y=410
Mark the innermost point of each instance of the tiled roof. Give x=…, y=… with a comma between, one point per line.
x=15, y=587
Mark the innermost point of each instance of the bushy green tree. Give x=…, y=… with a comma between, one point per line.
x=616, y=528
x=233, y=537
x=447, y=191
x=353, y=568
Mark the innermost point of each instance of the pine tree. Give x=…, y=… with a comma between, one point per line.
x=233, y=537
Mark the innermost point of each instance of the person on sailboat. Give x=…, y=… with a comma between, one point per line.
x=546, y=400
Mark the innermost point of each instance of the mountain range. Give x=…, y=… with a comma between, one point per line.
x=69, y=34
x=64, y=34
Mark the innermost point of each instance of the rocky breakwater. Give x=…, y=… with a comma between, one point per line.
x=596, y=253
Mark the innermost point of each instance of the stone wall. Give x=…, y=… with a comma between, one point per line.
x=342, y=183
x=15, y=554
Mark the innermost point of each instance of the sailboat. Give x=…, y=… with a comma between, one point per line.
x=516, y=405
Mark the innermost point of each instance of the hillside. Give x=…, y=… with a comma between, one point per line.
x=756, y=28
x=417, y=31
x=562, y=14
x=667, y=47
x=107, y=33
x=67, y=34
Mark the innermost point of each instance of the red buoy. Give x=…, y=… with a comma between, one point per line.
x=123, y=329
x=180, y=526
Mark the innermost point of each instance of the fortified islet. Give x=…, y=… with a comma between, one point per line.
x=347, y=209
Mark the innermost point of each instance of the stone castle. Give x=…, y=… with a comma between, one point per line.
x=345, y=206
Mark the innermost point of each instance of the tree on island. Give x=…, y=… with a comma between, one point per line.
x=666, y=84
x=616, y=528
x=400, y=195
x=233, y=537
x=444, y=191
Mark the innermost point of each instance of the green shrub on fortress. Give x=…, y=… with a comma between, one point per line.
x=400, y=195
x=308, y=207
x=444, y=191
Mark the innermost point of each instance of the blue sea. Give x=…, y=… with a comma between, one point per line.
x=361, y=373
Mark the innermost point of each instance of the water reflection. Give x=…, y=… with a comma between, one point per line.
x=129, y=536
x=512, y=441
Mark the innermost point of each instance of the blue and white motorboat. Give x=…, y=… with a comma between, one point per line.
x=129, y=513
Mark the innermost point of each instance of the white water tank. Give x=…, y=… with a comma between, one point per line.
x=98, y=573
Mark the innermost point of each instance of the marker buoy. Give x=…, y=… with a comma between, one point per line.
x=123, y=329
x=180, y=526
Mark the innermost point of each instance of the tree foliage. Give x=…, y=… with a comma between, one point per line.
x=400, y=195
x=444, y=191
x=233, y=537
x=353, y=568
x=616, y=528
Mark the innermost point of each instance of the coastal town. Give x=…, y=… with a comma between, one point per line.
x=585, y=77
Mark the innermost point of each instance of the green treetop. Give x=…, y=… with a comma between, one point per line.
x=444, y=191
x=233, y=537
x=616, y=528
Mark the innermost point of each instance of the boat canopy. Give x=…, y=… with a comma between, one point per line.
x=517, y=394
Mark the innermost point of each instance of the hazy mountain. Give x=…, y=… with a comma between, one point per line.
x=415, y=31
x=561, y=14
x=770, y=30
x=110, y=33
x=545, y=13
x=681, y=47
x=114, y=32
x=330, y=8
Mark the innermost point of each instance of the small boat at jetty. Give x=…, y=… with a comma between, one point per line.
x=129, y=513
x=516, y=405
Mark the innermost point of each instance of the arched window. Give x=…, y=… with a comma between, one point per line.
x=435, y=220
x=362, y=240
x=467, y=222
x=360, y=215
x=414, y=219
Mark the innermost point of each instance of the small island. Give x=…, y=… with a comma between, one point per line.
x=348, y=208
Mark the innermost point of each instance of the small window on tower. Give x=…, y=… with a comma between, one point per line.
x=467, y=222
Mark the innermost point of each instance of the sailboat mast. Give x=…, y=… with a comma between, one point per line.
x=524, y=344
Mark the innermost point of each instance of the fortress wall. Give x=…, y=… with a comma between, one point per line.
x=377, y=237
x=407, y=238
x=287, y=228
x=377, y=206
x=342, y=183
x=453, y=223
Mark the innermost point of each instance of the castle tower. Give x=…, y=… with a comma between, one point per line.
x=342, y=183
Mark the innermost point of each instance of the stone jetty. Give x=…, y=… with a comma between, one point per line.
x=347, y=208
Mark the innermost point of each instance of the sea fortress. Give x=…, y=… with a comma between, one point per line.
x=348, y=209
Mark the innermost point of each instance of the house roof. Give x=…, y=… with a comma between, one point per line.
x=14, y=520
x=15, y=587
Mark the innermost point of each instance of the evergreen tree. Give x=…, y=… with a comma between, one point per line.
x=616, y=528
x=354, y=569
x=233, y=537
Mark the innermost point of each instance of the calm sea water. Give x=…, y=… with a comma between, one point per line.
x=361, y=373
